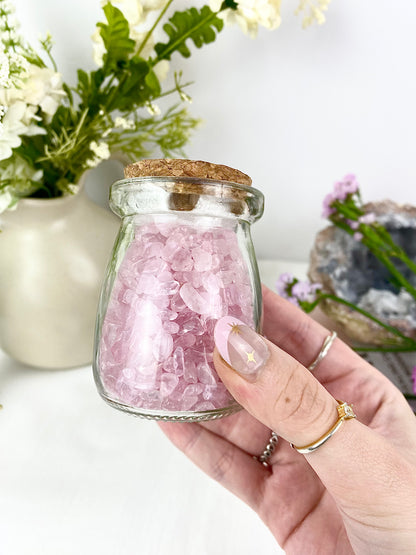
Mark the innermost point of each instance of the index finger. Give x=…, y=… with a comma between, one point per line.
x=288, y=327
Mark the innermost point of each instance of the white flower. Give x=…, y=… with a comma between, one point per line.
x=152, y=5
x=250, y=14
x=98, y=48
x=4, y=70
x=100, y=150
x=19, y=170
x=138, y=37
x=312, y=12
x=131, y=9
x=124, y=123
x=161, y=69
x=22, y=175
x=12, y=128
x=43, y=87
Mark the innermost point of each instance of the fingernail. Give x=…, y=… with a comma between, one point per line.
x=240, y=346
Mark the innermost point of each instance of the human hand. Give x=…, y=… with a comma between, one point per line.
x=357, y=492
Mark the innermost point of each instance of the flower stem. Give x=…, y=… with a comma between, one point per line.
x=385, y=259
x=155, y=24
x=392, y=349
x=411, y=344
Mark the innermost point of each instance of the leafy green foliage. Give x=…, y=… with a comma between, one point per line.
x=168, y=133
x=229, y=4
x=116, y=37
x=139, y=85
x=199, y=26
x=87, y=120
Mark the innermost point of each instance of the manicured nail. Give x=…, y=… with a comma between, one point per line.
x=240, y=346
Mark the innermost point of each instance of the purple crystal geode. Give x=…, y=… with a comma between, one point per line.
x=349, y=270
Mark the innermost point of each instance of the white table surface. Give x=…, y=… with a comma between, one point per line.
x=78, y=477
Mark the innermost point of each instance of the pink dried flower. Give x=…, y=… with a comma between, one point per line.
x=346, y=186
x=369, y=218
x=339, y=191
x=350, y=184
x=358, y=236
x=414, y=379
x=305, y=291
x=295, y=291
x=282, y=283
x=353, y=224
x=327, y=209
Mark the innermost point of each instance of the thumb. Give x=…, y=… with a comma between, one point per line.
x=272, y=385
x=282, y=394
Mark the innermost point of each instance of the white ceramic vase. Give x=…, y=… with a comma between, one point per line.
x=53, y=255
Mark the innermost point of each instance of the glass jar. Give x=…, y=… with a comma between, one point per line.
x=183, y=259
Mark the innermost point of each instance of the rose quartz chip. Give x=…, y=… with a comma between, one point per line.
x=193, y=299
x=168, y=384
x=174, y=282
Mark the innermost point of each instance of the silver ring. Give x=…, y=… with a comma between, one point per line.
x=268, y=450
x=324, y=350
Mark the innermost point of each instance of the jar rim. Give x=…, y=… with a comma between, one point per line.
x=229, y=186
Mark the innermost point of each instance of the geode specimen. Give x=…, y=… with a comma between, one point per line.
x=346, y=268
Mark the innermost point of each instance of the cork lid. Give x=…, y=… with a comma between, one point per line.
x=186, y=168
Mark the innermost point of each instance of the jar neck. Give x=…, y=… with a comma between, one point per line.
x=184, y=195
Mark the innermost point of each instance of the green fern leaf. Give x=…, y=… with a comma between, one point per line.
x=201, y=27
x=115, y=34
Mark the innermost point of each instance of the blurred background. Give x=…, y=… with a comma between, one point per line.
x=295, y=109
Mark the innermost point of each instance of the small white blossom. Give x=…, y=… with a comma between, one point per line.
x=153, y=109
x=124, y=123
x=4, y=70
x=185, y=97
x=101, y=150
x=250, y=14
x=313, y=11
x=73, y=189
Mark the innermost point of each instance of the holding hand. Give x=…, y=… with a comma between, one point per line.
x=352, y=486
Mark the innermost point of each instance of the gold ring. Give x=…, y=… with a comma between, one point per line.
x=324, y=350
x=345, y=412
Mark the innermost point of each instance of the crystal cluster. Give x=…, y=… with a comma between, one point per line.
x=175, y=281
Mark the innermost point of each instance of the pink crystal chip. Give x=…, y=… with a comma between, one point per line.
x=156, y=346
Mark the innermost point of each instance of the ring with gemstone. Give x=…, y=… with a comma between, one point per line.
x=345, y=412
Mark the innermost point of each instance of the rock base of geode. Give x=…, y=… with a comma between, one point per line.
x=346, y=268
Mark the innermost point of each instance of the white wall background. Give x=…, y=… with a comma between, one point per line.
x=295, y=109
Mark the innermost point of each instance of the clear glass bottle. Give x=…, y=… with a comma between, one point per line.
x=183, y=259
